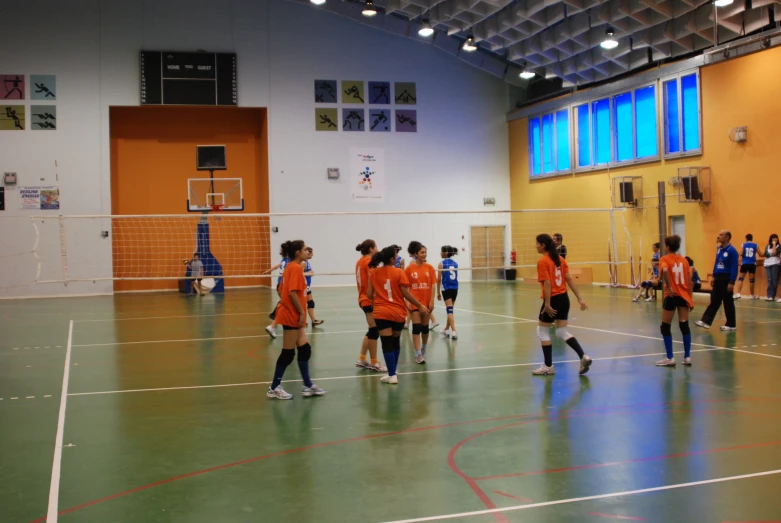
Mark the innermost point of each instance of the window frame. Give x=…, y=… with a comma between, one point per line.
x=555, y=146
x=678, y=77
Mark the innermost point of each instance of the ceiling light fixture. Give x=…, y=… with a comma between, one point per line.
x=368, y=9
x=527, y=75
x=469, y=44
x=317, y=2
x=722, y=3
x=609, y=42
x=425, y=28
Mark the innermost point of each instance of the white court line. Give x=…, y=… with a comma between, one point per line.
x=629, y=334
x=587, y=498
x=255, y=313
x=374, y=375
x=250, y=336
x=54, y=487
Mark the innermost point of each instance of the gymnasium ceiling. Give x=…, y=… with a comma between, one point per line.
x=561, y=38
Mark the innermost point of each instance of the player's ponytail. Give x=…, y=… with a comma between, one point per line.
x=291, y=248
x=550, y=248
x=449, y=251
x=365, y=246
x=414, y=248
x=282, y=251
x=386, y=257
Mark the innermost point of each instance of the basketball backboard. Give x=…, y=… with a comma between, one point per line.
x=204, y=193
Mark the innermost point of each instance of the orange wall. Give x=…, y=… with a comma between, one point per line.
x=153, y=155
x=745, y=178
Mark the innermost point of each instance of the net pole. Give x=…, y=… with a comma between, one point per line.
x=615, y=245
x=662, y=214
x=63, y=250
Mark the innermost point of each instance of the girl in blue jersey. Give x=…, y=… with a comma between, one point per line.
x=447, y=287
x=748, y=265
x=271, y=329
x=654, y=284
x=308, y=273
x=399, y=263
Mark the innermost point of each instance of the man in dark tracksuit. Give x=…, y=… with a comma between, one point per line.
x=725, y=272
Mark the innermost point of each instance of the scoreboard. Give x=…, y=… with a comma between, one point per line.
x=175, y=78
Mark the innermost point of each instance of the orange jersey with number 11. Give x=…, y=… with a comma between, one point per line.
x=557, y=276
x=680, y=276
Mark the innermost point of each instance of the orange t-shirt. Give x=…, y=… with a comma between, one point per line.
x=422, y=279
x=547, y=271
x=679, y=274
x=292, y=280
x=388, y=301
x=362, y=279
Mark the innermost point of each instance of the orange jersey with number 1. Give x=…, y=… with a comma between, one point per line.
x=557, y=276
x=388, y=301
x=680, y=276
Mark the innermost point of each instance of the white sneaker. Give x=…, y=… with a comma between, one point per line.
x=650, y=298
x=736, y=296
x=725, y=328
x=778, y=300
x=687, y=362
x=391, y=380
x=768, y=299
x=700, y=323
x=278, y=394
x=271, y=332
x=363, y=364
x=420, y=359
x=544, y=371
x=378, y=367
x=755, y=297
x=433, y=325
x=585, y=363
x=445, y=332
x=636, y=299
x=666, y=362
x=314, y=390
x=453, y=335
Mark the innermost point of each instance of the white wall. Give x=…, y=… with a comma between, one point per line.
x=458, y=156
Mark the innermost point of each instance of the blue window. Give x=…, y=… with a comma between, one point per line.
x=600, y=115
x=645, y=122
x=562, y=140
x=547, y=144
x=534, y=149
x=691, y=113
x=622, y=126
x=671, y=119
x=583, y=146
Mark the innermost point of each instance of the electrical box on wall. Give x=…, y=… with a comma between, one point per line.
x=333, y=173
x=9, y=178
x=739, y=134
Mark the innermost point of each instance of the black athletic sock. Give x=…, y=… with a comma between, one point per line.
x=547, y=352
x=573, y=342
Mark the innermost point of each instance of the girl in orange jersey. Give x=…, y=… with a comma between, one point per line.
x=291, y=314
x=422, y=277
x=553, y=274
x=388, y=288
x=678, y=288
x=367, y=248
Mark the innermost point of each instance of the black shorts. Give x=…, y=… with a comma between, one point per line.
x=672, y=303
x=697, y=287
x=289, y=328
x=397, y=326
x=368, y=309
x=450, y=294
x=559, y=303
x=750, y=268
x=198, y=279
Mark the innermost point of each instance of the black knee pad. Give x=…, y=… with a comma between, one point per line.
x=424, y=329
x=304, y=352
x=397, y=343
x=417, y=328
x=666, y=329
x=286, y=357
x=751, y=280
x=373, y=333
x=310, y=304
x=684, y=325
x=387, y=344
x=740, y=279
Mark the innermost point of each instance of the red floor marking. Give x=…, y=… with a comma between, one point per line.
x=615, y=516
x=637, y=460
x=505, y=494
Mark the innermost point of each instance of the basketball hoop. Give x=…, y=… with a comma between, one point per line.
x=218, y=208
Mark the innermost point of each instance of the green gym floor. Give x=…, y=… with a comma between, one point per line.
x=166, y=418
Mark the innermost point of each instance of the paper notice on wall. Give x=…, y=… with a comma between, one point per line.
x=367, y=175
x=50, y=198
x=30, y=197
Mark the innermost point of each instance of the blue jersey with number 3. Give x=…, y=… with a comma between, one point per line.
x=449, y=275
x=749, y=253
x=282, y=266
x=308, y=278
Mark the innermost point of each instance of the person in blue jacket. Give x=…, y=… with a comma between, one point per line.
x=725, y=273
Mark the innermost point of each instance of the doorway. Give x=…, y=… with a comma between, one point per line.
x=487, y=246
x=678, y=226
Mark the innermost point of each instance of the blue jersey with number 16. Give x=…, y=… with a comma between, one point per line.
x=749, y=253
x=449, y=275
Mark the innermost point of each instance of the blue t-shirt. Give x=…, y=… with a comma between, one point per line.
x=308, y=278
x=449, y=276
x=655, y=262
x=398, y=262
x=749, y=253
x=696, y=277
x=282, y=266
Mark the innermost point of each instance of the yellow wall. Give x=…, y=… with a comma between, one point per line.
x=746, y=179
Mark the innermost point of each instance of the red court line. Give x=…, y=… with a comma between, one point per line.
x=615, y=516
x=505, y=494
x=637, y=460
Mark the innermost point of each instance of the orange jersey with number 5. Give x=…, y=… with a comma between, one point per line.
x=557, y=276
x=422, y=279
x=388, y=301
x=679, y=273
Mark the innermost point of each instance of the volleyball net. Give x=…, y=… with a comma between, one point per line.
x=239, y=248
